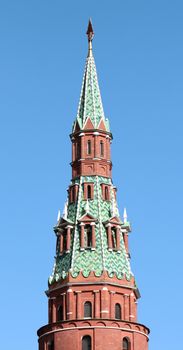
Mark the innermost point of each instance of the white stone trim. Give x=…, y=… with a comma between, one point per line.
x=94, y=327
x=108, y=225
x=92, y=223
x=104, y=311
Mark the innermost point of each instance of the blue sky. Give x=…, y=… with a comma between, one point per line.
x=138, y=48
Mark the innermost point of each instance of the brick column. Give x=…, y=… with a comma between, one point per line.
x=69, y=304
x=82, y=145
x=68, y=243
x=73, y=150
x=96, y=303
x=78, y=304
x=102, y=190
x=112, y=304
x=104, y=303
x=110, y=141
x=123, y=308
x=50, y=306
x=118, y=238
x=125, y=237
x=126, y=298
x=136, y=304
x=82, y=236
x=95, y=144
x=109, y=236
x=107, y=147
x=64, y=305
x=131, y=307
x=76, y=191
x=61, y=241
x=93, y=235
x=54, y=311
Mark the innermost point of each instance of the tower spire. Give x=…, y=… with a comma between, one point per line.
x=90, y=34
x=90, y=103
x=92, y=277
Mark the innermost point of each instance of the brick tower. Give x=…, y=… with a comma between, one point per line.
x=92, y=294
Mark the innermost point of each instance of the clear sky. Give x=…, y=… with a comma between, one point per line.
x=138, y=48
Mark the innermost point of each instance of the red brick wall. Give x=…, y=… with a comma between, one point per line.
x=94, y=163
x=104, y=335
x=106, y=331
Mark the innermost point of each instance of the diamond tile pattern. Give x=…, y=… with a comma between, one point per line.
x=90, y=104
x=101, y=258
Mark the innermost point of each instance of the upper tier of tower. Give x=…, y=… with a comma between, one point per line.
x=91, y=135
x=90, y=111
x=91, y=237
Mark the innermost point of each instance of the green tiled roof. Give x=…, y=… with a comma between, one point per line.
x=101, y=258
x=90, y=104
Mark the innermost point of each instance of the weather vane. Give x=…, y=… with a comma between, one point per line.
x=90, y=31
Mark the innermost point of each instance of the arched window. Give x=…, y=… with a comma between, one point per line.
x=89, y=191
x=101, y=148
x=106, y=193
x=88, y=236
x=89, y=147
x=118, y=311
x=51, y=345
x=78, y=149
x=86, y=342
x=113, y=236
x=126, y=344
x=58, y=245
x=73, y=194
x=87, y=309
x=60, y=313
x=64, y=241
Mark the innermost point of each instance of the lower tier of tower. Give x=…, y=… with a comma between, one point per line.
x=93, y=334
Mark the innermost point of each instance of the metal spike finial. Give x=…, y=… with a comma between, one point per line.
x=90, y=31
x=90, y=34
x=58, y=216
x=65, y=210
x=125, y=217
